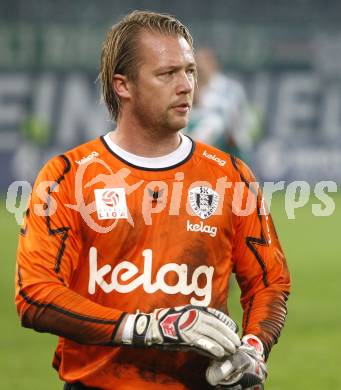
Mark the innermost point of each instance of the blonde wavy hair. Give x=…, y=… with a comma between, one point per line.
x=120, y=52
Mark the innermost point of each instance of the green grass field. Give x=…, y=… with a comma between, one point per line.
x=307, y=356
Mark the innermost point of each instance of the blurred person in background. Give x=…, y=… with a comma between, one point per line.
x=221, y=115
x=135, y=286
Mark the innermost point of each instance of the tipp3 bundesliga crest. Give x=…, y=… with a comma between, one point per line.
x=111, y=203
x=203, y=200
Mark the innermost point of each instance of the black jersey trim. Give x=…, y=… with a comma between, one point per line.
x=63, y=230
x=19, y=278
x=248, y=313
x=58, y=309
x=251, y=241
x=151, y=169
x=67, y=313
x=61, y=310
x=23, y=230
x=56, y=361
x=57, y=357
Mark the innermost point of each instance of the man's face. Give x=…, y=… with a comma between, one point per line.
x=162, y=94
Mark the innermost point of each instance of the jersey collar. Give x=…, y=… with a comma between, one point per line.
x=179, y=156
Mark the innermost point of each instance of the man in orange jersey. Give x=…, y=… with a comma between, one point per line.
x=130, y=240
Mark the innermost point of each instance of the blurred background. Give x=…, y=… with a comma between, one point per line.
x=269, y=92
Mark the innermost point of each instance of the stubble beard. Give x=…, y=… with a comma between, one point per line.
x=161, y=124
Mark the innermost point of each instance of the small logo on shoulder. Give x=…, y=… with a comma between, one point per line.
x=111, y=203
x=213, y=157
x=83, y=160
x=204, y=201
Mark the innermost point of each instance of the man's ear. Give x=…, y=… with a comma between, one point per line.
x=121, y=86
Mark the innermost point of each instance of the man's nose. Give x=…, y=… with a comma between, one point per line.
x=185, y=84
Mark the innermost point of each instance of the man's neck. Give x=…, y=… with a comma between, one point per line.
x=143, y=143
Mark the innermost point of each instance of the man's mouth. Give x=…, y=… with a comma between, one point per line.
x=182, y=107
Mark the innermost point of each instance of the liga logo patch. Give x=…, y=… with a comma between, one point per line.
x=204, y=201
x=111, y=203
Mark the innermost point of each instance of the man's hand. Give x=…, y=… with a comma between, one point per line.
x=245, y=369
x=206, y=330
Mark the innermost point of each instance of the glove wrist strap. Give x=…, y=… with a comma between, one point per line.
x=141, y=326
x=128, y=330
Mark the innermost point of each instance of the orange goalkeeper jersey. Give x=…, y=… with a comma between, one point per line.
x=105, y=235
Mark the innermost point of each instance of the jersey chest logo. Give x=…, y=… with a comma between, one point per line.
x=111, y=203
x=203, y=200
x=126, y=270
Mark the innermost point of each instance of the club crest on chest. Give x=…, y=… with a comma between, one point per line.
x=203, y=200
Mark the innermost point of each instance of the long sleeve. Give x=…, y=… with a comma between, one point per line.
x=48, y=254
x=260, y=266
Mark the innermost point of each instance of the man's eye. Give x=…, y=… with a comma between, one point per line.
x=167, y=74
